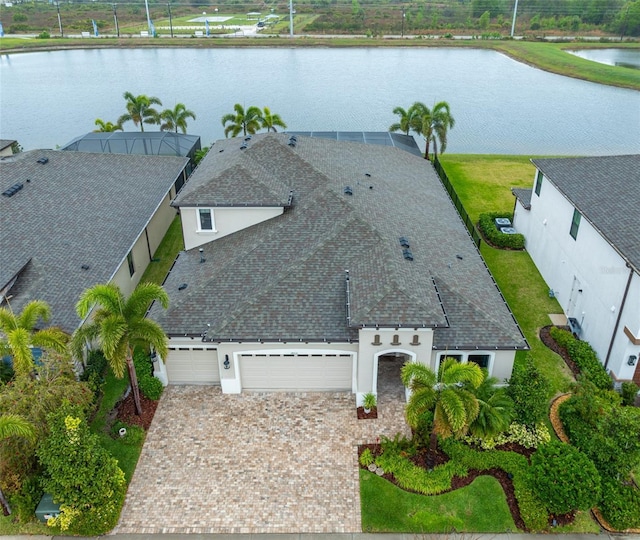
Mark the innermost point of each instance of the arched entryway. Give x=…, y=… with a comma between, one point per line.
x=387, y=383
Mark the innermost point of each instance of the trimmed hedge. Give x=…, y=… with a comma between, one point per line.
x=150, y=386
x=487, y=227
x=584, y=357
x=620, y=504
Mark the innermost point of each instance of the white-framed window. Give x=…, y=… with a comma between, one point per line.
x=205, y=219
x=130, y=263
x=539, y=177
x=483, y=359
x=575, y=224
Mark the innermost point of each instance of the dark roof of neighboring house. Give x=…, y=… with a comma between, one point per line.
x=5, y=143
x=606, y=191
x=153, y=143
x=524, y=196
x=76, y=209
x=285, y=279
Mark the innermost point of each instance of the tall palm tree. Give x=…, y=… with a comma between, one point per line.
x=496, y=409
x=448, y=393
x=119, y=324
x=247, y=122
x=12, y=425
x=20, y=335
x=176, y=118
x=435, y=124
x=106, y=127
x=269, y=120
x=140, y=110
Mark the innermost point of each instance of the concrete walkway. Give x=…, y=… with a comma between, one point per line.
x=252, y=463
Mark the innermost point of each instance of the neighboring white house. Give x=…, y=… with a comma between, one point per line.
x=582, y=227
x=71, y=220
x=311, y=260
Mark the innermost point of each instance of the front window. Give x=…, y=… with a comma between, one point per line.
x=575, y=224
x=205, y=219
x=132, y=268
x=481, y=359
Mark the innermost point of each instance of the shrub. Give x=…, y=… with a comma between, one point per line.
x=150, y=386
x=529, y=391
x=620, y=504
x=366, y=458
x=43, y=35
x=24, y=502
x=629, y=392
x=529, y=437
x=564, y=478
x=94, y=371
x=584, y=357
x=495, y=237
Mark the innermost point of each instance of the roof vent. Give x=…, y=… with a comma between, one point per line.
x=12, y=190
x=243, y=146
x=459, y=257
x=247, y=138
x=406, y=253
x=348, y=190
x=182, y=287
x=292, y=144
x=292, y=141
x=404, y=242
x=85, y=267
x=43, y=160
x=293, y=138
x=367, y=175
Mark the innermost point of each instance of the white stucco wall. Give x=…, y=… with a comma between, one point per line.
x=587, y=276
x=226, y=221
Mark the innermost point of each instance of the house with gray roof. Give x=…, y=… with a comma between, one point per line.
x=580, y=222
x=70, y=220
x=308, y=261
x=6, y=147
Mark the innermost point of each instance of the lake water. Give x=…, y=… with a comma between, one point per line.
x=612, y=57
x=500, y=105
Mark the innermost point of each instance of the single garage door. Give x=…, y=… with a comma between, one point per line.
x=192, y=365
x=313, y=372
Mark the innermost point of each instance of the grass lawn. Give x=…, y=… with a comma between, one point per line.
x=165, y=255
x=9, y=528
x=479, y=507
x=483, y=184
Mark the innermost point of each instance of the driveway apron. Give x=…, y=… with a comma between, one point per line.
x=252, y=463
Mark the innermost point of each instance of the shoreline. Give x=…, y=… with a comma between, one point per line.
x=545, y=55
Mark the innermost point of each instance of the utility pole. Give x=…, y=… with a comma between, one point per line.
x=403, y=17
x=59, y=19
x=115, y=18
x=146, y=5
x=170, y=19
x=513, y=24
x=290, y=18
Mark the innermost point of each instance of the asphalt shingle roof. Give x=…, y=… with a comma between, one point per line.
x=285, y=279
x=606, y=191
x=77, y=209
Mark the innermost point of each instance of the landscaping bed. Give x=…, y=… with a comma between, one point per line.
x=126, y=411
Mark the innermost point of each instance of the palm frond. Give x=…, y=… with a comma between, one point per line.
x=107, y=295
x=32, y=312
x=12, y=425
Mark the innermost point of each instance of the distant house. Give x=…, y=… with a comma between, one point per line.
x=581, y=225
x=6, y=147
x=70, y=220
x=309, y=260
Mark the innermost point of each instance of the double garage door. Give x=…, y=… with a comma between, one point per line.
x=195, y=365
x=288, y=372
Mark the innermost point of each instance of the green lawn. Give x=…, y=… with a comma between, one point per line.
x=479, y=507
x=483, y=183
x=165, y=255
x=9, y=528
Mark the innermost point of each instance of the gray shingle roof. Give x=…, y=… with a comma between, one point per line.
x=524, y=196
x=77, y=209
x=285, y=279
x=606, y=191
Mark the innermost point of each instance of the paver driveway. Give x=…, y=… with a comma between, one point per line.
x=252, y=463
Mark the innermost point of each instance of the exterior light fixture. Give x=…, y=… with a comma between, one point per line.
x=226, y=362
x=632, y=360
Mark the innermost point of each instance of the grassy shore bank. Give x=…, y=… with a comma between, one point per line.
x=550, y=57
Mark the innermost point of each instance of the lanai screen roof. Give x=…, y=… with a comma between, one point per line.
x=159, y=143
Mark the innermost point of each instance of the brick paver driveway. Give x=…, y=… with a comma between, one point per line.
x=252, y=463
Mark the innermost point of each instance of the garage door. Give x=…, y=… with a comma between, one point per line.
x=192, y=366
x=314, y=372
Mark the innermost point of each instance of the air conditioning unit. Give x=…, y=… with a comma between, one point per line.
x=508, y=230
x=502, y=222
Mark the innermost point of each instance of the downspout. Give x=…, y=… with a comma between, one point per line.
x=615, y=329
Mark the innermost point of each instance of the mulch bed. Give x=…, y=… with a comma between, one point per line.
x=545, y=337
x=364, y=416
x=127, y=411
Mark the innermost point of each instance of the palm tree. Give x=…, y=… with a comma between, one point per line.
x=140, y=110
x=119, y=324
x=435, y=124
x=176, y=118
x=242, y=121
x=447, y=393
x=270, y=121
x=407, y=120
x=20, y=335
x=496, y=409
x=12, y=425
x=106, y=127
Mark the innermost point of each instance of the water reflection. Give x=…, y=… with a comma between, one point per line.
x=613, y=57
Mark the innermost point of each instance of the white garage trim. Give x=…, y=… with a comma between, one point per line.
x=296, y=370
x=192, y=365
